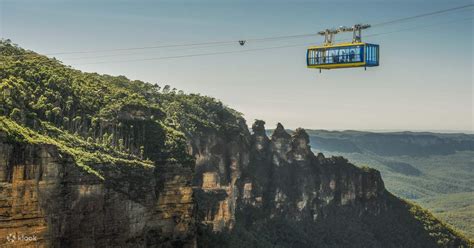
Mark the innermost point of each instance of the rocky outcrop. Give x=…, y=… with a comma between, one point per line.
x=279, y=193
x=48, y=201
x=220, y=159
x=280, y=175
x=299, y=185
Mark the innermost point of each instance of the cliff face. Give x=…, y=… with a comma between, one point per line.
x=220, y=159
x=242, y=185
x=280, y=175
x=257, y=191
x=47, y=201
x=45, y=196
x=299, y=185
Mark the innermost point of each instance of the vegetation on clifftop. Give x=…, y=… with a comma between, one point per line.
x=85, y=155
x=42, y=100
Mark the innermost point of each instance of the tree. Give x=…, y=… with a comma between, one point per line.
x=105, y=139
x=110, y=140
x=66, y=122
x=56, y=111
x=47, y=113
x=166, y=89
x=16, y=115
x=156, y=88
x=142, y=152
x=77, y=123
x=69, y=103
x=121, y=145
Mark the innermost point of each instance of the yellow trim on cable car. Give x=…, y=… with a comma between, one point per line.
x=335, y=66
x=341, y=65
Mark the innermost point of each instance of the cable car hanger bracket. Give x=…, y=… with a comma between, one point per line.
x=356, y=30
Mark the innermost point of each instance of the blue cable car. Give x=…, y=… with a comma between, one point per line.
x=343, y=55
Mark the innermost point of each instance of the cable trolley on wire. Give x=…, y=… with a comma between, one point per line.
x=343, y=55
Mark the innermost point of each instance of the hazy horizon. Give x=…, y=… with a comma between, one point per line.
x=419, y=86
x=469, y=132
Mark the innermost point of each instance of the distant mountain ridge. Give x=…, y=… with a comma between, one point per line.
x=391, y=143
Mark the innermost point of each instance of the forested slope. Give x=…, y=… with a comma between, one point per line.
x=92, y=114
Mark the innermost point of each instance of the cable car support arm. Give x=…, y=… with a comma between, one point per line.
x=356, y=33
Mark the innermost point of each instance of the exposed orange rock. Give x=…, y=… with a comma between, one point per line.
x=48, y=201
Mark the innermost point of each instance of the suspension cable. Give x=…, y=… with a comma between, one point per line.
x=211, y=43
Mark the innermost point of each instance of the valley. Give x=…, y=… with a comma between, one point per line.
x=432, y=169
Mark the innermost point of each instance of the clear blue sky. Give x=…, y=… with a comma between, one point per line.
x=424, y=81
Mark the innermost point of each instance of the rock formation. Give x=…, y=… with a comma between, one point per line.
x=237, y=180
x=280, y=175
x=45, y=197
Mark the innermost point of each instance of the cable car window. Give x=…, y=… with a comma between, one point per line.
x=369, y=49
x=372, y=55
x=335, y=55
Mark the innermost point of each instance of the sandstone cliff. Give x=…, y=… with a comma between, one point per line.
x=280, y=175
x=48, y=201
x=259, y=191
x=243, y=183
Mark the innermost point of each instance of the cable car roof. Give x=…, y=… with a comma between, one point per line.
x=338, y=45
